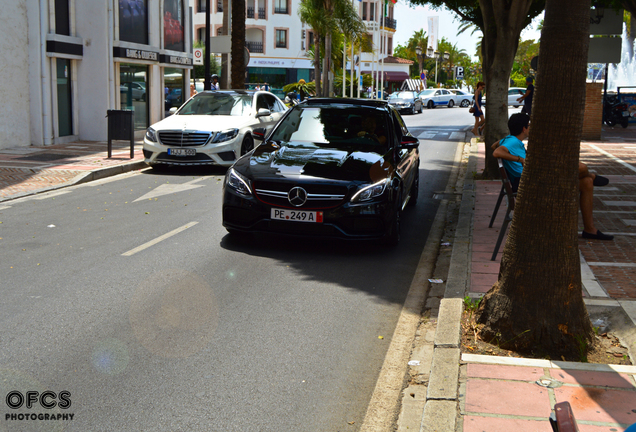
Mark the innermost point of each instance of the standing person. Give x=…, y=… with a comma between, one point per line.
x=479, y=110
x=527, y=97
x=193, y=90
x=215, y=82
x=301, y=89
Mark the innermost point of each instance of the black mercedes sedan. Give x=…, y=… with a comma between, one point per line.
x=342, y=168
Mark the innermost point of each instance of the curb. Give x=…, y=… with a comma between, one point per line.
x=86, y=177
x=442, y=400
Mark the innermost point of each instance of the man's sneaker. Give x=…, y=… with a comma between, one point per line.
x=598, y=236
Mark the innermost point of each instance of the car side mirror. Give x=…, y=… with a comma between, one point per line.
x=172, y=110
x=259, y=133
x=409, y=142
x=262, y=112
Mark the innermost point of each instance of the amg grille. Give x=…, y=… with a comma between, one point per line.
x=183, y=138
x=318, y=196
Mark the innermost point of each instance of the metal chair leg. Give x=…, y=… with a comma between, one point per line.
x=502, y=233
x=494, y=214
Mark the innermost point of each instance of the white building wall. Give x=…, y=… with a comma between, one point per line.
x=14, y=122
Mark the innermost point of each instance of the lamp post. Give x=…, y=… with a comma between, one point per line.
x=418, y=51
x=441, y=57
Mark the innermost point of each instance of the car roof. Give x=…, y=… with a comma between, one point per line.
x=373, y=103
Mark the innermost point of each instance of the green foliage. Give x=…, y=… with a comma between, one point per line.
x=471, y=304
x=337, y=83
x=199, y=70
x=308, y=87
x=582, y=346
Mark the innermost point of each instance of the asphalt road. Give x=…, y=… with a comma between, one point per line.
x=129, y=294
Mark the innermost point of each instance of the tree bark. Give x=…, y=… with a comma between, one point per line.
x=537, y=303
x=317, y=64
x=327, y=65
x=503, y=22
x=238, y=44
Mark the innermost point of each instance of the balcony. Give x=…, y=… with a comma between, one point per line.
x=281, y=10
x=219, y=6
x=250, y=12
x=254, y=47
x=388, y=23
x=261, y=12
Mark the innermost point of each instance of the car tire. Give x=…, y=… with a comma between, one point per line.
x=143, y=97
x=625, y=122
x=413, y=110
x=248, y=144
x=465, y=103
x=430, y=105
x=451, y=103
x=415, y=188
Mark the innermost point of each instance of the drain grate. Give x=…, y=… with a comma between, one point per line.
x=46, y=157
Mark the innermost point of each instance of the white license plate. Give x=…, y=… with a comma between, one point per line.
x=182, y=152
x=625, y=113
x=297, y=215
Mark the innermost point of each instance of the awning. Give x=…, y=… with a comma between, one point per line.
x=391, y=75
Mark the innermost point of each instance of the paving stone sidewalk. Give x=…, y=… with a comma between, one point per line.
x=29, y=170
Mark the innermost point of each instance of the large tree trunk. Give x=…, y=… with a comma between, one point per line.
x=537, y=303
x=317, y=64
x=224, y=81
x=238, y=44
x=503, y=22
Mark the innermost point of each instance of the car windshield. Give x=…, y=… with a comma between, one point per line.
x=343, y=128
x=402, y=95
x=226, y=104
x=427, y=93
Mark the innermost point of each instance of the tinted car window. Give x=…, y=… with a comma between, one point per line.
x=217, y=104
x=333, y=127
x=271, y=103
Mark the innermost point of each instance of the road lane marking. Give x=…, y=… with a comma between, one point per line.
x=170, y=188
x=159, y=239
x=614, y=158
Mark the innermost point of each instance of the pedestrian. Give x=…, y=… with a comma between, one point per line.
x=478, y=110
x=215, y=82
x=301, y=89
x=193, y=90
x=513, y=154
x=527, y=97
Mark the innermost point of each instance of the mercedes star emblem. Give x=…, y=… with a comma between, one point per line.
x=297, y=196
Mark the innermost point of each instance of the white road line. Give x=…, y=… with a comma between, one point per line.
x=158, y=239
x=614, y=158
x=611, y=264
x=619, y=203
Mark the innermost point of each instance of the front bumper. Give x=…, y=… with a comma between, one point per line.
x=221, y=154
x=363, y=221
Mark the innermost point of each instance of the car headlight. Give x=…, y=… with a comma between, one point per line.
x=367, y=192
x=151, y=135
x=238, y=182
x=225, y=135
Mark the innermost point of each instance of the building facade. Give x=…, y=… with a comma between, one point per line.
x=70, y=61
x=278, y=41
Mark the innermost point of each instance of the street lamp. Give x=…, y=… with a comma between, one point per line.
x=441, y=57
x=418, y=51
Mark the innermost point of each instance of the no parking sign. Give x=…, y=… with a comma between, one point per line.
x=198, y=56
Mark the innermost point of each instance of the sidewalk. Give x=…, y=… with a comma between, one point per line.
x=515, y=394
x=29, y=170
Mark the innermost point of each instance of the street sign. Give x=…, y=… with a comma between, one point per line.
x=423, y=76
x=198, y=56
x=459, y=72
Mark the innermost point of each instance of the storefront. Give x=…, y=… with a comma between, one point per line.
x=278, y=72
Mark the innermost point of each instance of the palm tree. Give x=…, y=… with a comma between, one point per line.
x=238, y=44
x=326, y=18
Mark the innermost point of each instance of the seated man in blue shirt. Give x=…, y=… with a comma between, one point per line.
x=513, y=153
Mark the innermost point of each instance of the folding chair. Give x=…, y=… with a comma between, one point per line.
x=510, y=195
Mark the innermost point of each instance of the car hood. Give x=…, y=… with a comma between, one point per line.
x=303, y=161
x=203, y=122
x=400, y=100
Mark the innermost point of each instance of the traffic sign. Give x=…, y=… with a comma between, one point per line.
x=423, y=76
x=198, y=56
x=459, y=72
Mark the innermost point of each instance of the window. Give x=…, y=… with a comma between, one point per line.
x=219, y=31
x=173, y=20
x=311, y=39
x=62, y=22
x=371, y=11
x=133, y=21
x=281, y=38
x=364, y=11
x=280, y=7
x=201, y=34
x=202, y=5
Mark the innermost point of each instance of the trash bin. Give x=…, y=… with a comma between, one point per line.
x=121, y=127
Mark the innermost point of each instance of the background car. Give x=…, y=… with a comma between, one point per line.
x=436, y=97
x=405, y=101
x=330, y=168
x=515, y=93
x=212, y=128
x=462, y=98
x=136, y=89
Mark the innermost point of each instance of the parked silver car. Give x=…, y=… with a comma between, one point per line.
x=405, y=102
